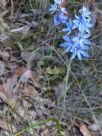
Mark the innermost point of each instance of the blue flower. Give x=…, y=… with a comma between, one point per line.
x=79, y=52
x=80, y=47
x=68, y=44
x=83, y=40
x=75, y=48
x=85, y=13
x=78, y=44
x=61, y=17
x=53, y=8
x=82, y=24
x=68, y=28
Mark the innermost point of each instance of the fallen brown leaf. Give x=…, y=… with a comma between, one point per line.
x=83, y=129
x=30, y=91
x=6, y=94
x=4, y=54
x=25, y=74
x=19, y=71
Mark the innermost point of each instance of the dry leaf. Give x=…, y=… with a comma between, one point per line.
x=19, y=71
x=35, y=80
x=12, y=82
x=25, y=74
x=83, y=129
x=5, y=55
x=30, y=91
x=6, y=94
x=2, y=94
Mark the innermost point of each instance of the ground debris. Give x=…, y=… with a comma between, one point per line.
x=7, y=126
x=83, y=129
x=33, y=74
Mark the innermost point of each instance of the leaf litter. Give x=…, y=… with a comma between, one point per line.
x=33, y=77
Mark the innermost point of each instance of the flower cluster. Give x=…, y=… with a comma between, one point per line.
x=60, y=13
x=76, y=40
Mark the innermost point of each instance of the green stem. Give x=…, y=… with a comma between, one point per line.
x=66, y=88
x=40, y=123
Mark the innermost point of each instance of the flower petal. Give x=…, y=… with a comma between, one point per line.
x=85, y=54
x=86, y=41
x=79, y=55
x=66, y=38
x=65, y=44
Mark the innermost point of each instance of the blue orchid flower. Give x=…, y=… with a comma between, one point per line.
x=68, y=28
x=82, y=24
x=60, y=13
x=68, y=44
x=75, y=48
x=61, y=17
x=85, y=13
x=83, y=40
x=79, y=52
x=78, y=44
x=53, y=8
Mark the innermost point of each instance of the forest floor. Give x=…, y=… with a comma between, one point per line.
x=42, y=93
